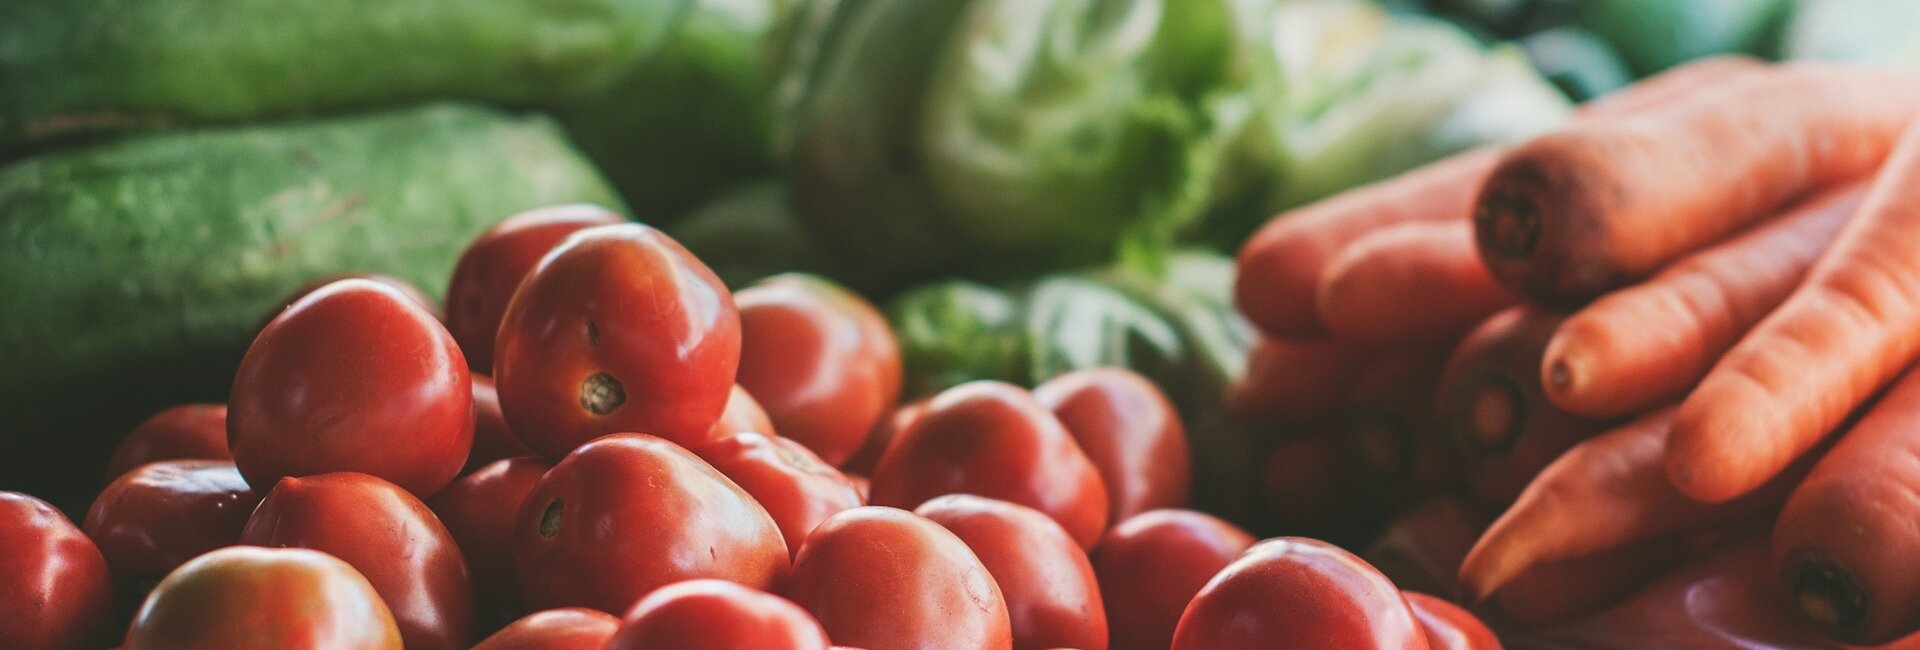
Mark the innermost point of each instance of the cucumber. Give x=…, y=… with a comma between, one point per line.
x=133, y=274
x=77, y=66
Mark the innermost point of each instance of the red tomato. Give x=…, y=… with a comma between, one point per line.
x=717, y=615
x=249, y=597
x=479, y=510
x=412, y=292
x=494, y=264
x=992, y=439
x=1130, y=431
x=1447, y=626
x=888, y=579
x=165, y=513
x=1293, y=592
x=627, y=513
x=1049, y=587
x=54, y=587
x=862, y=486
x=187, y=431
x=1150, y=566
x=741, y=415
x=795, y=486
x=883, y=434
x=355, y=377
x=567, y=628
x=620, y=329
x=386, y=534
x=492, y=439
x=820, y=359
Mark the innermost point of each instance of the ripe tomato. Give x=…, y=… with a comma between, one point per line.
x=412, y=292
x=1447, y=626
x=888, y=579
x=494, y=264
x=492, y=439
x=883, y=434
x=717, y=615
x=479, y=510
x=1150, y=565
x=354, y=377
x=387, y=535
x=187, y=431
x=250, y=597
x=1293, y=592
x=1051, y=595
x=820, y=359
x=798, y=489
x=567, y=628
x=1130, y=431
x=992, y=439
x=55, y=591
x=162, y=514
x=627, y=513
x=742, y=415
x=620, y=329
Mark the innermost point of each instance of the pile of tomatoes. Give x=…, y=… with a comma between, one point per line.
x=604, y=447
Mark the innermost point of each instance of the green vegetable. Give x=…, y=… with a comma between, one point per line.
x=749, y=234
x=1653, y=35
x=958, y=331
x=1870, y=31
x=144, y=265
x=1577, y=62
x=73, y=66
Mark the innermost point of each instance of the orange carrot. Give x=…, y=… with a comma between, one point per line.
x=1280, y=267
x=1502, y=428
x=1575, y=213
x=1850, y=327
x=1845, y=542
x=1412, y=282
x=1293, y=383
x=1650, y=342
x=1388, y=432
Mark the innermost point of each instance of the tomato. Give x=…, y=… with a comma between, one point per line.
x=187, y=431
x=795, y=486
x=1051, y=595
x=492, y=439
x=1130, y=431
x=1447, y=626
x=387, y=535
x=628, y=513
x=820, y=359
x=250, y=597
x=1150, y=566
x=1294, y=592
x=55, y=591
x=355, y=377
x=863, y=487
x=717, y=615
x=882, y=436
x=567, y=628
x=494, y=264
x=619, y=329
x=992, y=439
x=742, y=414
x=162, y=514
x=888, y=579
x=479, y=510
x=404, y=287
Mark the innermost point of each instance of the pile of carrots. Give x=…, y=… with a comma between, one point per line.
x=1663, y=354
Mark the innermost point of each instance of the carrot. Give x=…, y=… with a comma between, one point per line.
x=1293, y=383
x=1850, y=327
x=1575, y=213
x=1490, y=404
x=1607, y=492
x=1845, y=542
x=1413, y=282
x=1280, y=266
x=1559, y=591
x=1650, y=342
x=1387, y=430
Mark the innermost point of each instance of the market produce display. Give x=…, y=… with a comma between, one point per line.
x=984, y=324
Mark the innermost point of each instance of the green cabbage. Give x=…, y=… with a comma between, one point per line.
x=1885, y=32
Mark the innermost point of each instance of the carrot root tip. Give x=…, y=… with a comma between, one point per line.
x=1827, y=593
x=1508, y=223
x=1560, y=375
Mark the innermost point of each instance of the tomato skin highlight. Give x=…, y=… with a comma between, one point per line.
x=820, y=359
x=55, y=589
x=1150, y=565
x=1052, y=599
x=354, y=377
x=628, y=513
x=1448, y=627
x=707, y=614
x=386, y=534
x=619, y=329
x=798, y=489
x=494, y=264
x=1130, y=431
x=886, y=579
x=184, y=432
x=567, y=628
x=1294, y=592
x=249, y=597
x=162, y=514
